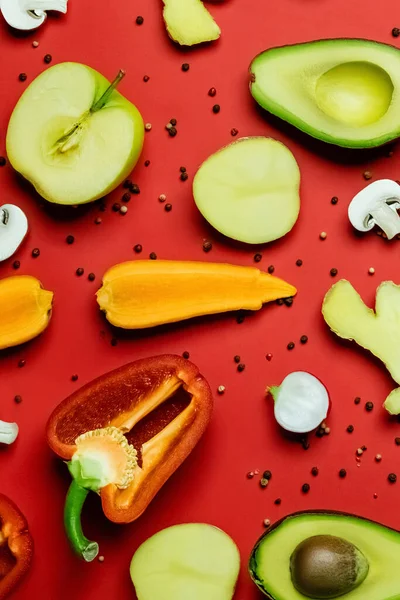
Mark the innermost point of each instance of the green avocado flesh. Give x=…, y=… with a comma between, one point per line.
x=372, y=567
x=341, y=91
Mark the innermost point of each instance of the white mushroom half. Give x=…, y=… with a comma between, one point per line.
x=13, y=229
x=8, y=432
x=377, y=204
x=27, y=15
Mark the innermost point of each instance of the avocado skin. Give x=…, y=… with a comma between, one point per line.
x=253, y=566
x=272, y=105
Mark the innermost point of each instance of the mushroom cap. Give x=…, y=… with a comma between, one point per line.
x=19, y=17
x=371, y=198
x=13, y=232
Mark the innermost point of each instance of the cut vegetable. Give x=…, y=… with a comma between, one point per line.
x=147, y=293
x=249, y=190
x=392, y=402
x=188, y=22
x=25, y=309
x=377, y=204
x=193, y=560
x=301, y=402
x=8, y=432
x=379, y=331
x=13, y=229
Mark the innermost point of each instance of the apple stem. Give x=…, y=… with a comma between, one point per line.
x=104, y=98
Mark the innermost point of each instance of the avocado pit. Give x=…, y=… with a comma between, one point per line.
x=326, y=566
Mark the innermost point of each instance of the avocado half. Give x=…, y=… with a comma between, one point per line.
x=342, y=91
x=269, y=564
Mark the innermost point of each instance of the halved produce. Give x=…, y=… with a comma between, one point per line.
x=192, y=560
x=25, y=309
x=146, y=293
x=249, y=190
x=325, y=554
x=124, y=434
x=341, y=91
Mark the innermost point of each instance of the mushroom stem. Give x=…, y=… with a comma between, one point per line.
x=387, y=219
x=4, y=216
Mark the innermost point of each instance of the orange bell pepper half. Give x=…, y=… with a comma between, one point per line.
x=16, y=546
x=124, y=434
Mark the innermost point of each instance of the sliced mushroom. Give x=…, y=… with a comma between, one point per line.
x=13, y=229
x=8, y=432
x=377, y=204
x=26, y=15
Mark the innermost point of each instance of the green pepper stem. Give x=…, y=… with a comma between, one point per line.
x=72, y=521
x=104, y=98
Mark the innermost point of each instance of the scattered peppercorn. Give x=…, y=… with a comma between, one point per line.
x=397, y=441
x=357, y=400
x=48, y=58
x=184, y=176
x=367, y=175
x=392, y=477
x=371, y=271
x=240, y=318
x=395, y=32
x=241, y=367
x=138, y=248
x=146, y=78
x=79, y=271
x=35, y=44
x=267, y=475
x=350, y=428
x=70, y=239
x=139, y=20
x=91, y=276
x=299, y=262
x=168, y=207
x=320, y=432
x=333, y=272
x=135, y=189
x=216, y=108
x=271, y=269
x=278, y=501
x=290, y=346
x=174, y=123
x=314, y=471
x=173, y=131
x=369, y=406
x=35, y=252
x=2, y=161
x=18, y=399
x=257, y=257
x=126, y=197
x=123, y=210
x=250, y=475
x=212, y=92
x=16, y=264
x=153, y=256
x=146, y=163
x=98, y=221
x=185, y=67
x=185, y=354
x=21, y=363
x=334, y=200
x=268, y=357
x=279, y=301
x=305, y=488
x=74, y=377
x=116, y=206
x=127, y=184
x=207, y=246
x=342, y=473
x=303, y=339
x=234, y=132
x=22, y=76
x=378, y=457
x=101, y=559
x=221, y=389
x=305, y=443
x=323, y=235
x=263, y=482
x=162, y=198
x=288, y=301
x=148, y=127
x=266, y=523
x=182, y=169
x=113, y=341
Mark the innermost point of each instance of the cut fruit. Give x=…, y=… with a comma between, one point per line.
x=194, y=560
x=341, y=91
x=25, y=309
x=188, y=22
x=392, y=402
x=73, y=136
x=301, y=402
x=249, y=190
x=379, y=331
x=147, y=293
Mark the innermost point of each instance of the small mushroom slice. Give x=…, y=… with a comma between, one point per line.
x=27, y=15
x=326, y=566
x=377, y=204
x=8, y=432
x=13, y=229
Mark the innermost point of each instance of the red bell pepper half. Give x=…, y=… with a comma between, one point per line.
x=124, y=434
x=16, y=546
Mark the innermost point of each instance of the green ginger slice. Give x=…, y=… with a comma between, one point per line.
x=188, y=22
x=377, y=331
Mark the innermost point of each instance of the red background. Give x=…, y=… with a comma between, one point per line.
x=211, y=486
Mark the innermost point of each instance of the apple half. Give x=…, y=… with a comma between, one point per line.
x=73, y=136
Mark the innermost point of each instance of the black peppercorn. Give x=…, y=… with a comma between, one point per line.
x=126, y=197
x=182, y=169
x=216, y=108
x=271, y=269
x=279, y=301
x=305, y=488
x=333, y=272
x=16, y=264
x=299, y=262
x=74, y=377
x=35, y=252
x=134, y=188
x=207, y=246
x=240, y=318
x=303, y=339
x=288, y=301
x=168, y=207
x=236, y=358
x=91, y=276
x=357, y=400
x=234, y=132
x=241, y=367
x=146, y=78
x=18, y=399
x=22, y=76
x=334, y=200
x=369, y=406
x=185, y=67
x=184, y=176
x=146, y=163
x=70, y=239
x=116, y=206
x=397, y=441
x=174, y=123
x=212, y=92
x=392, y=477
x=257, y=257
x=185, y=354
x=350, y=428
x=290, y=346
x=48, y=58
x=278, y=501
x=153, y=256
x=314, y=471
x=267, y=475
x=342, y=473
x=79, y=271
x=2, y=161
x=173, y=131
x=138, y=248
x=395, y=32
x=127, y=184
x=139, y=20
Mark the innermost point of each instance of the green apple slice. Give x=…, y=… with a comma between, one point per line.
x=194, y=560
x=249, y=190
x=73, y=136
x=188, y=22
